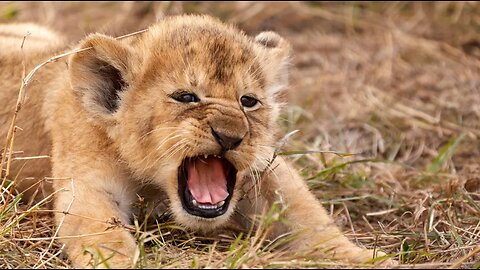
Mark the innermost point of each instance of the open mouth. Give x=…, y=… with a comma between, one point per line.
x=205, y=185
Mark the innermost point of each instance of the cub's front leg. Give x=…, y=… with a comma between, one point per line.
x=307, y=219
x=89, y=210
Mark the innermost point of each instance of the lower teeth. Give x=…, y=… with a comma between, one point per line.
x=207, y=206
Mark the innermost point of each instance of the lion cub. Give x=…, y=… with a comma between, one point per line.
x=187, y=107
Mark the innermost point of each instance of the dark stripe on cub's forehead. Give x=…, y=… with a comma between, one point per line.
x=226, y=57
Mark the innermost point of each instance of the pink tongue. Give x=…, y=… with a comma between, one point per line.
x=207, y=180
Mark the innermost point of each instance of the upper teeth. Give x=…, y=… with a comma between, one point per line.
x=207, y=206
x=206, y=156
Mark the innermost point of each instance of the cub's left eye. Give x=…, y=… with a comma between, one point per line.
x=185, y=97
x=248, y=102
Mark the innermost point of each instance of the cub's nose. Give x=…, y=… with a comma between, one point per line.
x=227, y=142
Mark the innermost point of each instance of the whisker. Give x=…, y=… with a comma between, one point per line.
x=164, y=141
x=158, y=129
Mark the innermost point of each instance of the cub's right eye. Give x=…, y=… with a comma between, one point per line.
x=185, y=97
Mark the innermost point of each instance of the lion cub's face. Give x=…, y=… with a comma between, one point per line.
x=190, y=106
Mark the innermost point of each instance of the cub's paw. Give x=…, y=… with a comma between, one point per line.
x=116, y=250
x=98, y=259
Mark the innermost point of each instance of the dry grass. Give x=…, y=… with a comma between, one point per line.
x=395, y=84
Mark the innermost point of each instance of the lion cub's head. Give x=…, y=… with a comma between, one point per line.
x=190, y=106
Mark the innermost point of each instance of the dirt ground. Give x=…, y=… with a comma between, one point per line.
x=394, y=87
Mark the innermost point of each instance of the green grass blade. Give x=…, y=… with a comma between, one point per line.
x=444, y=154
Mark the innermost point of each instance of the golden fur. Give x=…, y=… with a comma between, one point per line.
x=108, y=121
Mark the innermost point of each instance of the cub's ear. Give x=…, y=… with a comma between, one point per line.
x=99, y=75
x=275, y=52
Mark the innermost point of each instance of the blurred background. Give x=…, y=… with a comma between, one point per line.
x=392, y=88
